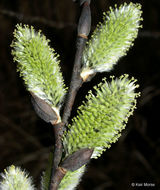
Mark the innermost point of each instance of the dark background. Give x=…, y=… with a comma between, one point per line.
x=25, y=140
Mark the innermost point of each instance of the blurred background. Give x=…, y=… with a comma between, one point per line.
x=25, y=140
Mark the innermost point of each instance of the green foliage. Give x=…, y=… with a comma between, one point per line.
x=101, y=119
x=71, y=179
x=38, y=65
x=15, y=179
x=112, y=38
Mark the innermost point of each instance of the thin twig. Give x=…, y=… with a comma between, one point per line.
x=36, y=19
x=76, y=82
x=61, y=25
x=58, y=132
x=84, y=26
x=5, y=120
x=33, y=156
x=58, y=176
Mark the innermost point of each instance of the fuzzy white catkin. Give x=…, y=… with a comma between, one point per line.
x=14, y=178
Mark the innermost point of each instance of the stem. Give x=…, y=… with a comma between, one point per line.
x=58, y=173
x=76, y=83
x=58, y=176
x=84, y=26
x=58, y=132
x=76, y=80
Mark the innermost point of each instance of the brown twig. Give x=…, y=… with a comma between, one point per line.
x=76, y=80
x=58, y=176
x=61, y=25
x=36, y=19
x=57, y=173
x=32, y=156
x=5, y=120
x=58, y=132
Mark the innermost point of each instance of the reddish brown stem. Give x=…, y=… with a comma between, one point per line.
x=58, y=176
x=58, y=131
x=76, y=82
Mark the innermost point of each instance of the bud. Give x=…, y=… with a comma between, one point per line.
x=84, y=24
x=77, y=159
x=45, y=111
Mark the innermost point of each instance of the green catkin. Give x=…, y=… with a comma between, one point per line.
x=112, y=38
x=38, y=65
x=102, y=118
x=71, y=179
